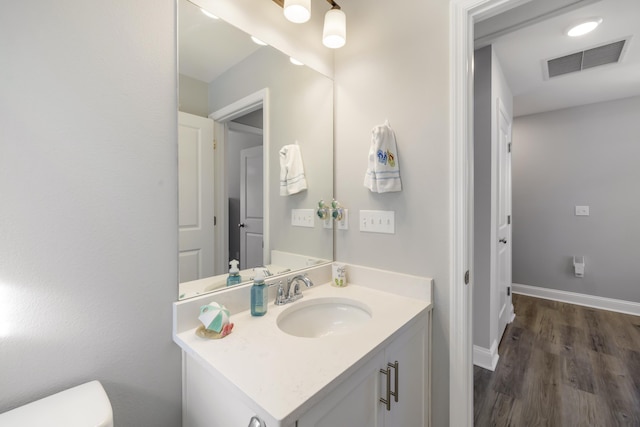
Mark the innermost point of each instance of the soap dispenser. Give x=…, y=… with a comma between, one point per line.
x=234, y=274
x=259, y=295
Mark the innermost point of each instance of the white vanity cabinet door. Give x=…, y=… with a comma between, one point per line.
x=206, y=403
x=411, y=351
x=353, y=403
x=356, y=402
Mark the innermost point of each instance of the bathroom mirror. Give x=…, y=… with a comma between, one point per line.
x=240, y=105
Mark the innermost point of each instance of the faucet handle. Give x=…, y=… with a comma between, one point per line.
x=280, y=298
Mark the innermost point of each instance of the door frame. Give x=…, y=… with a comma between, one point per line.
x=462, y=15
x=221, y=118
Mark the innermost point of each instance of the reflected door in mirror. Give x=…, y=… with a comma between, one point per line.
x=251, y=212
x=195, y=189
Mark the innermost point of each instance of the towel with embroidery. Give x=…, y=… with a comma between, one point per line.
x=383, y=171
x=292, y=179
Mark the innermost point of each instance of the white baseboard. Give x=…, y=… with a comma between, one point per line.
x=486, y=358
x=602, y=303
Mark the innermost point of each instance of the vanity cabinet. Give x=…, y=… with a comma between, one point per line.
x=356, y=402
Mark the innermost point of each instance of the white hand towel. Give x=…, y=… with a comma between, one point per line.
x=292, y=179
x=383, y=172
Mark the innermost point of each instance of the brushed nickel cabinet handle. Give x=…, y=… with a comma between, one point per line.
x=395, y=367
x=387, y=401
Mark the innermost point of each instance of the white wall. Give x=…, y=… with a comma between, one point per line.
x=193, y=96
x=585, y=155
x=490, y=84
x=88, y=178
x=395, y=66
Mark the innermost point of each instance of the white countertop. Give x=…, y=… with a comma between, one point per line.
x=285, y=375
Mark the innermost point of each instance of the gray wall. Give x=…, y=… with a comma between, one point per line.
x=193, y=96
x=579, y=156
x=395, y=66
x=88, y=178
x=489, y=85
x=301, y=109
x=482, y=196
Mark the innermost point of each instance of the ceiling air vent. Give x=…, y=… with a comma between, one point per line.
x=606, y=54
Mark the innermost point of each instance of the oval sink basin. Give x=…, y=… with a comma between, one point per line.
x=323, y=316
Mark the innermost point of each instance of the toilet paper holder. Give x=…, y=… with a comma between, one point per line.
x=578, y=265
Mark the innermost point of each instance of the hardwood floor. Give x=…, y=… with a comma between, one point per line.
x=562, y=365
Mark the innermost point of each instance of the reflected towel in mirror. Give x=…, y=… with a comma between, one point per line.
x=292, y=179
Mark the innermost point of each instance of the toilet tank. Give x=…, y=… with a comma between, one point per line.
x=86, y=405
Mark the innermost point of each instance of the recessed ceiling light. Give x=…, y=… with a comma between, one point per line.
x=584, y=27
x=258, y=41
x=209, y=14
x=294, y=61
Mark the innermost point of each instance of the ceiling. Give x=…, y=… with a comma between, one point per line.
x=208, y=47
x=525, y=39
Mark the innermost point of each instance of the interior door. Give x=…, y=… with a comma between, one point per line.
x=503, y=182
x=195, y=197
x=251, y=208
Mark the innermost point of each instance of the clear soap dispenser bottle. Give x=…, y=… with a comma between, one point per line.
x=234, y=274
x=259, y=295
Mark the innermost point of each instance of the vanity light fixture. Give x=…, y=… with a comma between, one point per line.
x=294, y=61
x=334, y=32
x=209, y=14
x=584, y=27
x=298, y=11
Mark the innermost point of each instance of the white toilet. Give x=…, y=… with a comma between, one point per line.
x=86, y=405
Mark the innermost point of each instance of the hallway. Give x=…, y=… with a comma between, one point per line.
x=562, y=365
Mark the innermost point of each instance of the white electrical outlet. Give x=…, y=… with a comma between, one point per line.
x=327, y=223
x=343, y=224
x=302, y=218
x=378, y=221
x=582, y=210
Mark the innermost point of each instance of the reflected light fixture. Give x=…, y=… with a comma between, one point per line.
x=298, y=11
x=584, y=27
x=294, y=61
x=334, y=32
x=209, y=14
x=258, y=41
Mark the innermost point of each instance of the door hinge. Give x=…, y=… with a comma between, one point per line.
x=215, y=220
x=508, y=219
x=508, y=291
x=466, y=277
x=215, y=144
x=509, y=147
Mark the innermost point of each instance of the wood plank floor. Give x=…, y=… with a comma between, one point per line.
x=562, y=365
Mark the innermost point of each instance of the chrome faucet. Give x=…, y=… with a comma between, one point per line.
x=293, y=292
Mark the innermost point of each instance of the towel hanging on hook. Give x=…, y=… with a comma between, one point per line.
x=383, y=171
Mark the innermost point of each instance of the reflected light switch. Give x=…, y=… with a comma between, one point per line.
x=582, y=210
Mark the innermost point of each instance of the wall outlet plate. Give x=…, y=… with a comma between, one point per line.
x=343, y=224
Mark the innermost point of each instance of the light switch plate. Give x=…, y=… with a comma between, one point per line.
x=582, y=210
x=302, y=218
x=378, y=221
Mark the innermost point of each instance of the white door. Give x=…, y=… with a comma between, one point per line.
x=503, y=190
x=251, y=208
x=195, y=197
